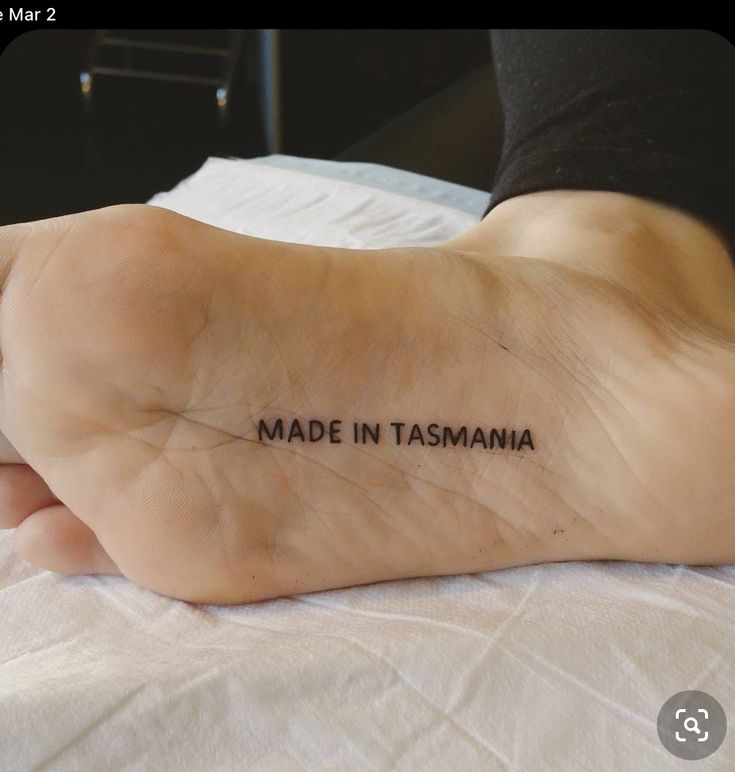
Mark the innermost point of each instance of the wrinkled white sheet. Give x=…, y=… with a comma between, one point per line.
x=554, y=667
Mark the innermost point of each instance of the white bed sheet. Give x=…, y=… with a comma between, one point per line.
x=553, y=667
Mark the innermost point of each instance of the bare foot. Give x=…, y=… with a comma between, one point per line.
x=147, y=360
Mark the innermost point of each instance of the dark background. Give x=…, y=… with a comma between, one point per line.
x=139, y=137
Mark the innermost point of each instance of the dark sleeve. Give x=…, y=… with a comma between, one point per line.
x=645, y=112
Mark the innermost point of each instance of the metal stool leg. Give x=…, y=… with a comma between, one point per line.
x=270, y=88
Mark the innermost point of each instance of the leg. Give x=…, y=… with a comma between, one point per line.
x=643, y=112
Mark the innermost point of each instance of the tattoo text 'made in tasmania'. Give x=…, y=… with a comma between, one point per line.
x=403, y=433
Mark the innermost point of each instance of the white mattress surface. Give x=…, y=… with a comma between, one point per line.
x=553, y=667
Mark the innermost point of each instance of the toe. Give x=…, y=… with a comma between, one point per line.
x=55, y=539
x=22, y=492
x=8, y=454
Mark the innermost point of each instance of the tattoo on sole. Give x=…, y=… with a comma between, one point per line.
x=394, y=433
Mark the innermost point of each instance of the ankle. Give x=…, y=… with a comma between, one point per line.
x=667, y=256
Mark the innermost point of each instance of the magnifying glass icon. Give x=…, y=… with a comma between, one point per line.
x=691, y=725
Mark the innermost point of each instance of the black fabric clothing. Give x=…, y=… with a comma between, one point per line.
x=645, y=112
